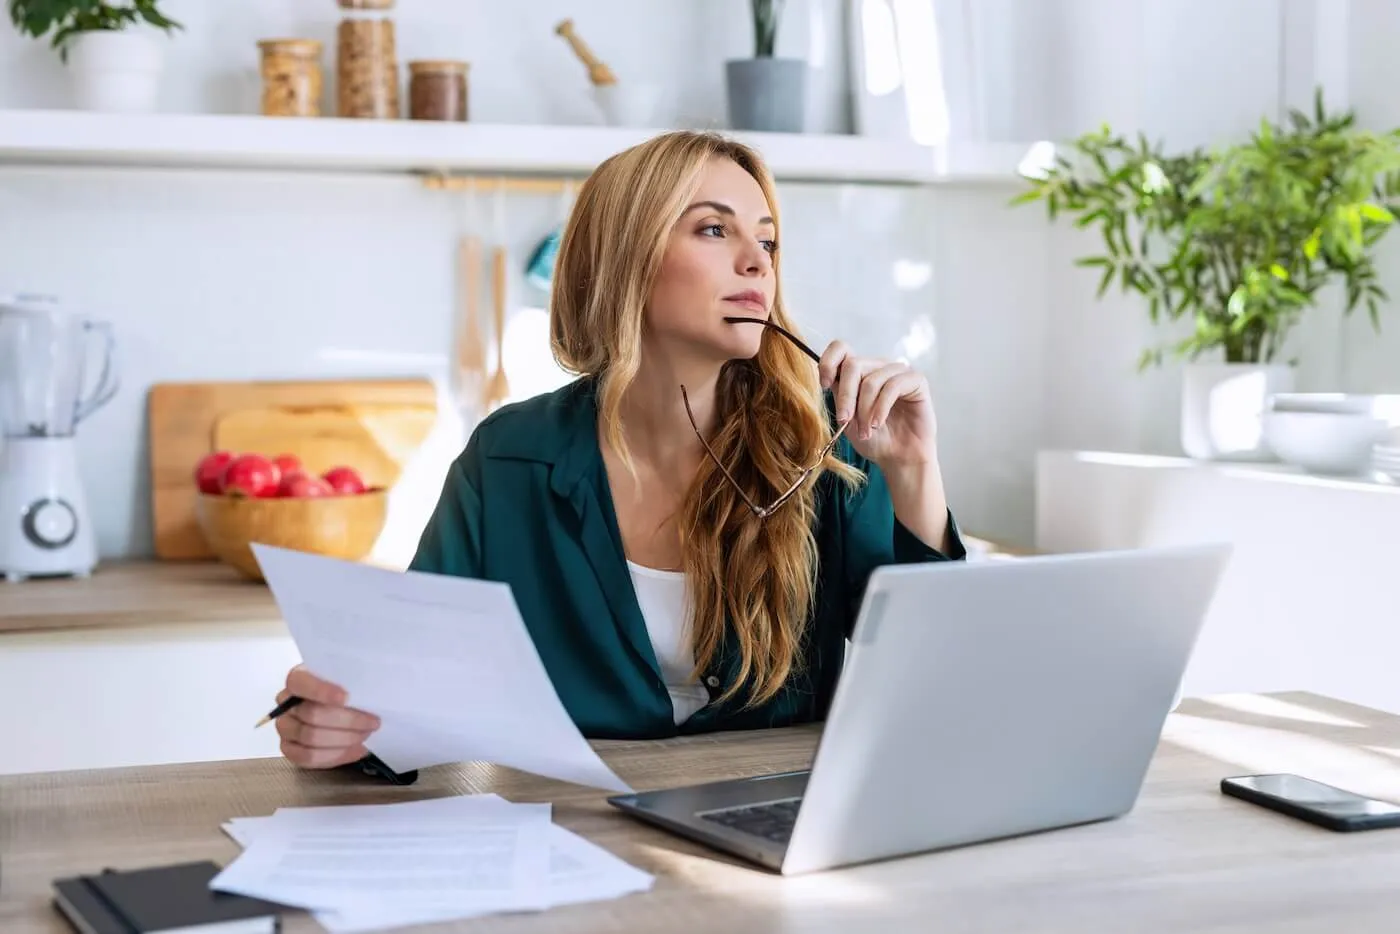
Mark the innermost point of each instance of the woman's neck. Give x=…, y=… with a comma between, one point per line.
x=656, y=426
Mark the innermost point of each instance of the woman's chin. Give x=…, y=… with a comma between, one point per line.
x=741, y=349
x=721, y=348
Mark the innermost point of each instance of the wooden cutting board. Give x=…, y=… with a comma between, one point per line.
x=372, y=425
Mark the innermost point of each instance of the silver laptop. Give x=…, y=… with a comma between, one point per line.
x=980, y=700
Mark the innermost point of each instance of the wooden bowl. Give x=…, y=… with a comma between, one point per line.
x=336, y=526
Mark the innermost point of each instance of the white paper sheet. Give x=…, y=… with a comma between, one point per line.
x=567, y=868
x=487, y=860
x=445, y=662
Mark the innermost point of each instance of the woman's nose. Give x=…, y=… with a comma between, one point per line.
x=753, y=260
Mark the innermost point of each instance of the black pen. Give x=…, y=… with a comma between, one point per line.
x=277, y=711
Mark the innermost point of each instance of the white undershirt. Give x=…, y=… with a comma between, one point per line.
x=662, y=598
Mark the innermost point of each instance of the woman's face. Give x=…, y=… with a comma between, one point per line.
x=718, y=262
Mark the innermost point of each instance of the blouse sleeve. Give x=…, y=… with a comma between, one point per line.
x=872, y=536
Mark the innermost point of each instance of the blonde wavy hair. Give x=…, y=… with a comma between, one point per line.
x=760, y=574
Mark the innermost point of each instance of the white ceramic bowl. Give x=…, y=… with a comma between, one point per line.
x=1323, y=442
x=1340, y=403
x=629, y=104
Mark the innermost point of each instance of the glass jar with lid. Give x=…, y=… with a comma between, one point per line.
x=291, y=77
x=437, y=90
x=367, y=67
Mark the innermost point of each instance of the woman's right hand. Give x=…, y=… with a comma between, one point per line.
x=321, y=732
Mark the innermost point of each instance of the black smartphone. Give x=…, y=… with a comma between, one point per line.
x=1313, y=801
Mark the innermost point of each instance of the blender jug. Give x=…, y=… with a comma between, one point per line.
x=43, y=368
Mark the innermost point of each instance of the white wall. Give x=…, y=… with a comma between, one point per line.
x=352, y=276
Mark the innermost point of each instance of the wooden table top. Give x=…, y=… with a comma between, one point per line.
x=137, y=593
x=1186, y=859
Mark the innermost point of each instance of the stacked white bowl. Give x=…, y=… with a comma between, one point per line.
x=1334, y=434
x=1385, y=457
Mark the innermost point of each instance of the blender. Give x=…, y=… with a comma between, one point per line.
x=44, y=350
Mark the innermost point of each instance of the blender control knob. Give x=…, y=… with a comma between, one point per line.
x=50, y=523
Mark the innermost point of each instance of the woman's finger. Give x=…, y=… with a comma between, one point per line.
x=316, y=737
x=907, y=383
x=872, y=384
x=309, y=734
x=338, y=718
x=848, y=388
x=830, y=364
x=307, y=686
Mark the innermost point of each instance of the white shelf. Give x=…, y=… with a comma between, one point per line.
x=208, y=141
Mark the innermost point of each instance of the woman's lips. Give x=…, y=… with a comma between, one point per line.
x=753, y=301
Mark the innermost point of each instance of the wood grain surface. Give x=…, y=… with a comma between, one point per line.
x=137, y=593
x=1186, y=859
x=182, y=425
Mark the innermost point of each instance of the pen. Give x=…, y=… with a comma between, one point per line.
x=277, y=711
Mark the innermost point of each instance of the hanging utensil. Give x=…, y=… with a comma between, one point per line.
x=498, y=389
x=471, y=343
x=539, y=271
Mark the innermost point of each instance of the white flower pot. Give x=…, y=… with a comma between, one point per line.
x=1223, y=406
x=116, y=72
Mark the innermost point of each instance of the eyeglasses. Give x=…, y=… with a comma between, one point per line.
x=764, y=512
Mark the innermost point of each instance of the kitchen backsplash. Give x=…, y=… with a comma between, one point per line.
x=286, y=276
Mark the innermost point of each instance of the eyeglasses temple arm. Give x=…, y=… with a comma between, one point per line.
x=797, y=342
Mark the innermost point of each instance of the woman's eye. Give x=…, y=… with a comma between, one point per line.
x=718, y=230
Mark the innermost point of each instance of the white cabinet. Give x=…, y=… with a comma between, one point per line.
x=97, y=698
x=1310, y=599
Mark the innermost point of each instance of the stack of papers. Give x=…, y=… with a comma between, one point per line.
x=446, y=663
x=372, y=867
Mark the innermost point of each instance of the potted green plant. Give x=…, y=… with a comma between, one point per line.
x=114, y=59
x=1235, y=244
x=765, y=92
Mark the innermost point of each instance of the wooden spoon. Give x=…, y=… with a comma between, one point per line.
x=471, y=345
x=498, y=389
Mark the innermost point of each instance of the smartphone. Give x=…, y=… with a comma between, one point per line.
x=1312, y=801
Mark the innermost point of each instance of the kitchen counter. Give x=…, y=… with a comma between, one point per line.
x=136, y=593
x=161, y=593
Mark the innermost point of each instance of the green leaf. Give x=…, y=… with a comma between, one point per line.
x=1312, y=245
x=1374, y=212
x=1279, y=272
x=1236, y=305
x=1105, y=282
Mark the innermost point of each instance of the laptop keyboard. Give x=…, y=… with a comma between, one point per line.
x=772, y=820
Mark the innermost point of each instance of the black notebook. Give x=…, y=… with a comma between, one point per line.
x=161, y=900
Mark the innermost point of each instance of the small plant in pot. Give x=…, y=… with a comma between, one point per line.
x=115, y=60
x=763, y=92
x=1235, y=244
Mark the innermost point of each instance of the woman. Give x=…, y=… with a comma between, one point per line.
x=687, y=527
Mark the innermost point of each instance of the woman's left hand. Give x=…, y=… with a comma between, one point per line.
x=889, y=406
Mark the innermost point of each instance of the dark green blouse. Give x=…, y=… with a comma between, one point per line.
x=528, y=503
